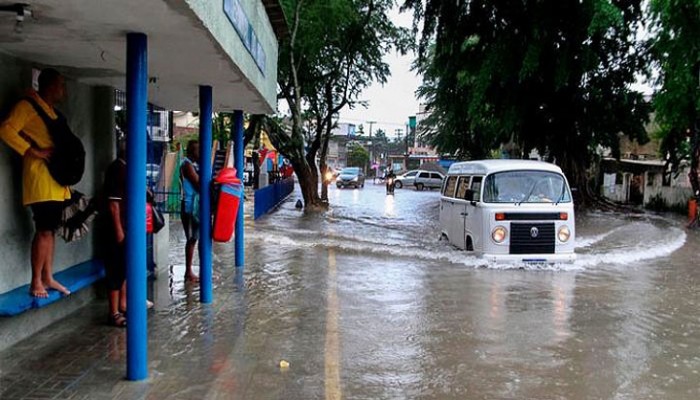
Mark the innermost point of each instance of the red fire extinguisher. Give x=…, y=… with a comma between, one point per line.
x=230, y=197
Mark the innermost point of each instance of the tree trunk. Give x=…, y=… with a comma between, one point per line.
x=308, y=182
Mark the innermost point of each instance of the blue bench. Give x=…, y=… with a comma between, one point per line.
x=74, y=278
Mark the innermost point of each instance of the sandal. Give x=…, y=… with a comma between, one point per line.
x=118, y=320
x=149, y=305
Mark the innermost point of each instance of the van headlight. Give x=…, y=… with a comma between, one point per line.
x=499, y=234
x=564, y=233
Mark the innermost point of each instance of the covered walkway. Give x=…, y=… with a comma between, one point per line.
x=189, y=55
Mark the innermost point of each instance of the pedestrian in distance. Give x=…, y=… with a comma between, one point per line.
x=189, y=178
x=26, y=131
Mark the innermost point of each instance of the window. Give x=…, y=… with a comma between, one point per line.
x=423, y=175
x=463, y=186
x=450, y=184
x=435, y=176
x=666, y=179
x=524, y=187
x=154, y=118
x=618, y=178
x=476, y=185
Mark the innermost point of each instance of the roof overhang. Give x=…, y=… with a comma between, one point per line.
x=189, y=44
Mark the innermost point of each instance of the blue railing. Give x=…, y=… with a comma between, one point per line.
x=270, y=196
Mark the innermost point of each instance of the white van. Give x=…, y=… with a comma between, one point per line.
x=509, y=211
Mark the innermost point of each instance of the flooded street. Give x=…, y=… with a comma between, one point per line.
x=365, y=302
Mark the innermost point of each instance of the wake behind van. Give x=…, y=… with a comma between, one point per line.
x=509, y=211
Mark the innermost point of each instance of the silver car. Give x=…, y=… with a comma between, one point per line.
x=351, y=176
x=428, y=179
x=406, y=179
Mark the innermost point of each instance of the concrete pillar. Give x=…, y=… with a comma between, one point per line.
x=239, y=160
x=205, y=244
x=136, y=274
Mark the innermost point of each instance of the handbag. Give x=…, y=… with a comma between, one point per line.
x=154, y=219
x=158, y=218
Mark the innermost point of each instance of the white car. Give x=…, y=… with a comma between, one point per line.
x=406, y=179
x=428, y=179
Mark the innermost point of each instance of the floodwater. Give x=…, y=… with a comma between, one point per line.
x=373, y=306
x=365, y=302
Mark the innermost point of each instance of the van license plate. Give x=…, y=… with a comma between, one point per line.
x=534, y=261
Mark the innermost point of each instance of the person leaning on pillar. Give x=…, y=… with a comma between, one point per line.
x=27, y=134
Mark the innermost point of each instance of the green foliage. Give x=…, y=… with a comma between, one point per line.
x=358, y=156
x=335, y=50
x=551, y=75
x=675, y=52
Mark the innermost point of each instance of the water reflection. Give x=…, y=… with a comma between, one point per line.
x=389, y=210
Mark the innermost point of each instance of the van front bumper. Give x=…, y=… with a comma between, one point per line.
x=530, y=258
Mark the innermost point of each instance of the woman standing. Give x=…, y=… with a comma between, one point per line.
x=189, y=178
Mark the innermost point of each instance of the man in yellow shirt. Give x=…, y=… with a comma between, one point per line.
x=26, y=133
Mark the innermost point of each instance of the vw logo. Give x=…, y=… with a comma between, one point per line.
x=534, y=232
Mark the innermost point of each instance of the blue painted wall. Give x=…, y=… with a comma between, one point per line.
x=270, y=196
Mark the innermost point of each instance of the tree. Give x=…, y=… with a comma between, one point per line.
x=380, y=136
x=675, y=51
x=358, y=156
x=328, y=59
x=551, y=75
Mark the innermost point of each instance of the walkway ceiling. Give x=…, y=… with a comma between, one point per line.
x=86, y=40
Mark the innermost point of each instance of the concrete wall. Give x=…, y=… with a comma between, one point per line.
x=212, y=15
x=676, y=195
x=89, y=111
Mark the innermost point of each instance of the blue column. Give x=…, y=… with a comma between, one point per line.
x=238, y=156
x=136, y=102
x=205, y=245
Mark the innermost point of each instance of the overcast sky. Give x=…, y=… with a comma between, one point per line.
x=391, y=104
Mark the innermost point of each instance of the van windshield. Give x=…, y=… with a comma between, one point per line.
x=526, y=187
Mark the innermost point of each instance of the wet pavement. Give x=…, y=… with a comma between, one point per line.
x=365, y=302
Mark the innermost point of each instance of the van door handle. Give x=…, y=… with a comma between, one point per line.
x=464, y=214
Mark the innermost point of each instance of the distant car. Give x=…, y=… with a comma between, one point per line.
x=406, y=179
x=428, y=179
x=351, y=176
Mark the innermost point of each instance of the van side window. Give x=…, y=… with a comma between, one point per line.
x=450, y=187
x=435, y=176
x=476, y=184
x=463, y=186
x=423, y=175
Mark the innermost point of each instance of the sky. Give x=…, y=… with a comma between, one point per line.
x=391, y=104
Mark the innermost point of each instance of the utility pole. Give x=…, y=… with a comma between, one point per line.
x=371, y=144
x=398, y=134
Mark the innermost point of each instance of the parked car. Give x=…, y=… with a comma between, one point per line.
x=428, y=179
x=406, y=179
x=351, y=176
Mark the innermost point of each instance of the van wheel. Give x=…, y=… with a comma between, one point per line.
x=470, y=245
x=419, y=187
x=398, y=184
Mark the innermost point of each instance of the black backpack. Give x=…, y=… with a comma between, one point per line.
x=67, y=162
